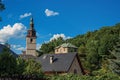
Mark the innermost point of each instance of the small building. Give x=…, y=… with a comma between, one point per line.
x=65, y=48
x=61, y=64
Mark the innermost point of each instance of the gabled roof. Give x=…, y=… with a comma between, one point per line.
x=3, y=46
x=67, y=45
x=61, y=62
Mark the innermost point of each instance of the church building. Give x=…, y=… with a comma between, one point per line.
x=30, y=42
x=64, y=61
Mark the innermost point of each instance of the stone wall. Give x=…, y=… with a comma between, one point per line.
x=75, y=67
x=31, y=46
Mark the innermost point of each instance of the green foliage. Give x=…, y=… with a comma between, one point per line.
x=49, y=47
x=28, y=67
x=20, y=66
x=2, y=7
x=115, y=62
x=93, y=58
x=7, y=63
x=93, y=46
x=106, y=76
x=32, y=67
x=10, y=65
x=82, y=50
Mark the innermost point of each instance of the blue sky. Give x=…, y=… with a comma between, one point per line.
x=54, y=18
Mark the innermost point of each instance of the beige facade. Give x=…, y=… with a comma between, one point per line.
x=31, y=43
x=31, y=46
x=65, y=50
x=61, y=50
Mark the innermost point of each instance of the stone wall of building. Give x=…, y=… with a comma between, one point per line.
x=75, y=67
x=31, y=46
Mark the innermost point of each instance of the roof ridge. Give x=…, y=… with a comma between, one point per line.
x=67, y=45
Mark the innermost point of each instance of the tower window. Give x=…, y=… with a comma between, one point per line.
x=31, y=40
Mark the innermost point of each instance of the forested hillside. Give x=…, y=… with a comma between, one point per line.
x=94, y=47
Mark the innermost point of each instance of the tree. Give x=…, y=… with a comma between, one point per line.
x=7, y=63
x=82, y=50
x=20, y=66
x=96, y=44
x=2, y=7
x=93, y=58
x=50, y=46
x=115, y=62
x=32, y=68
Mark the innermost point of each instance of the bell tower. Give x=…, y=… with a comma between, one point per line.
x=31, y=40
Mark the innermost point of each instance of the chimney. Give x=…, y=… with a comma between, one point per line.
x=51, y=59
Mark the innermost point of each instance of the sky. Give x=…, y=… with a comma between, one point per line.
x=54, y=18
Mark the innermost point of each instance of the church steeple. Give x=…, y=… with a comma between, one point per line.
x=31, y=32
x=31, y=39
x=31, y=23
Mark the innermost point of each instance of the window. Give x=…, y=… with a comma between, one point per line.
x=64, y=49
x=60, y=50
x=31, y=40
x=75, y=71
x=75, y=50
x=57, y=50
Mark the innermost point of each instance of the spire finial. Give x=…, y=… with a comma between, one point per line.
x=31, y=20
x=31, y=23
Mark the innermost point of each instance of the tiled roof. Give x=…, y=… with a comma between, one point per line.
x=61, y=62
x=67, y=45
x=24, y=56
x=3, y=46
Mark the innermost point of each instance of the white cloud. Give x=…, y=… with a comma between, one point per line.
x=56, y=36
x=21, y=48
x=51, y=13
x=16, y=31
x=25, y=15
x=18, y=47
x=15, y=46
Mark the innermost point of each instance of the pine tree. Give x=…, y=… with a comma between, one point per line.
x=7, y=63
x=115, y=61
